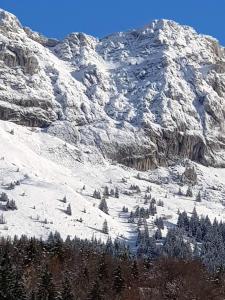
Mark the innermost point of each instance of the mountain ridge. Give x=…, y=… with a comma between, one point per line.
x=143, y=98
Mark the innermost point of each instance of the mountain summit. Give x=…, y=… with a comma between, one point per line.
x=143, y=98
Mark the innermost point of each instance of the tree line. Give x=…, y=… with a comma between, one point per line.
x=32, y=269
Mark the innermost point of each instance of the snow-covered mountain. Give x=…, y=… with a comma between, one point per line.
x=97, y=112
x=47, y=170
x=142, y=97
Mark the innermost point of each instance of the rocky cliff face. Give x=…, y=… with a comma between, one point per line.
x=143, y=98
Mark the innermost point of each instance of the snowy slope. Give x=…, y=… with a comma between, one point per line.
x=142, y=98
x=94, y=112
x=48, y=169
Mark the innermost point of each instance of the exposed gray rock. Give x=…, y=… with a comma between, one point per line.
x=41, y=39
x=189, y=176
x=144, y=98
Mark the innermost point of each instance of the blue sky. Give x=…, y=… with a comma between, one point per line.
x=57, y=18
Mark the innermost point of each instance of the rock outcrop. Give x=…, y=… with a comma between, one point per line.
x=189, y=176
x=143, y=98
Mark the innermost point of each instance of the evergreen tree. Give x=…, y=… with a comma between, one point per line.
x=159, y=223
x=158, y=234
x=139, y=237
x=213, y=251
x=183, y=221
x=2, y=219
x=139, y=223
x=103, y=206
x=67, y=293
x=46, y=288
x=69, y=210
x=118, y=281
x=198, y=234
x=117, y=193
x=55, y=244
x=7, y=278
x=33, y=296
x=145, y=235
x=205, y=225
x=180, y=192
x=131, y=217
x=95, y=292
x=105, y=228
x=138, y=190
x=189, y=192
x=124, y=209
x=64, y=200
x=11, y=205
x=153, y=201
x=146, y=200
x=12, y=131
x=106, y=192
x=102, y=269
x=149, y=189
x=152, y=250
x=134, y=270
x=199, y=197
x=160, y=203
x=11, y=186
x=4, y=197
x=97, y=195
x=137, y=212
x=196, y=251
x=175, y=246
x=152, y=208
x=193, y=223
x=19, y=289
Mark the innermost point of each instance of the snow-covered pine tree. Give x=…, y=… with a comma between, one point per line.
x=199, y=197
x=159, y=223
x=124, y=209
x=11, y=186
x=4, y=197
x=103, y=206
x=131, y=217
x=69, y=210
x=66, y=293
x=183, y=221
x=2, y=219
x=11, y=205
x=95, y=292
x=134, y=270
x=106, y=192
x=158, y=234
x=198, y=236
x=152, y=208
x=105, y=228
x=149, y=189
x=117, y=193
x=160, y=203
x=7, y=278
x=189, y=192
x=180, y=193
x=175, y=246
x=118, y=281
x=196, y=251
x=112, y=193
x=97, y=195
x=193, y=223
x=64, y=200
x=46, y=289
